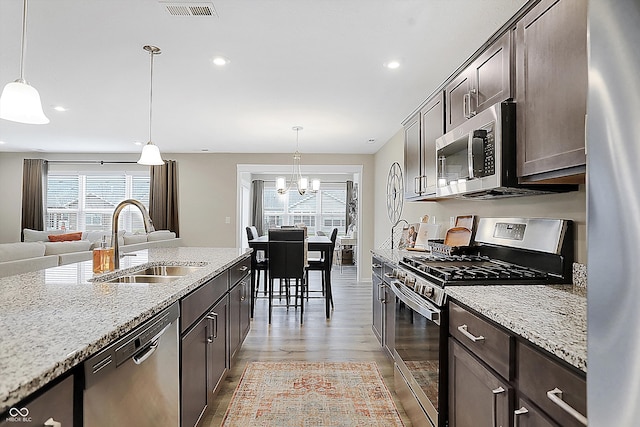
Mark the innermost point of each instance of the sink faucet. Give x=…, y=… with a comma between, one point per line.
x=148, y=226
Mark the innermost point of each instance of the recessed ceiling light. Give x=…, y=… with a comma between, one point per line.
x=392, y=65
x=60, y=108
x=371, y=141
x=220, y=61
x=2, y=142
x=137, y=143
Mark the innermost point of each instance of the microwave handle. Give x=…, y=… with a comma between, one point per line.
x=476, y=153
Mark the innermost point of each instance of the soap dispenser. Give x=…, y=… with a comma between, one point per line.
x=103, y=258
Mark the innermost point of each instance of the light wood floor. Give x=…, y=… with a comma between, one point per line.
x=347, y=336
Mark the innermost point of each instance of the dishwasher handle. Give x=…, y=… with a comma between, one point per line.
x=140, y=357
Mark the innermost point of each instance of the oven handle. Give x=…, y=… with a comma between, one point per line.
x=425, y=308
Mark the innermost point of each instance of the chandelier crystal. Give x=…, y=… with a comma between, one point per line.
x=301, y=182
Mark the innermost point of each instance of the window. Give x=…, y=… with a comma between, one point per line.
x=321, y=211
x=85, y=201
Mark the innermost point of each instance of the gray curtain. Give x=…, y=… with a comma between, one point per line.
x=257, y=208
x=34, y=193
x=350, y=211
x=163, y=197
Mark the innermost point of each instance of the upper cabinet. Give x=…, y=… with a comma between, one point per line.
x=551, y=91
x=482, y=84
x=421, y=132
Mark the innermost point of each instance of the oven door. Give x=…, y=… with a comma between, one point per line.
x=419, y=352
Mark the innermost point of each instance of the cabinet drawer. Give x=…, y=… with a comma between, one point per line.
x=197, y=302
x=55, y=403
x=488, y=342
x=376, y=266
x=387, y=272
x=538, y=374
x=239, y=270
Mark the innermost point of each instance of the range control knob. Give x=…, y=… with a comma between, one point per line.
x=428, y=291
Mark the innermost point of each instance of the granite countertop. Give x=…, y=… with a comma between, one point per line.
x=553, y=317
x=54, y=319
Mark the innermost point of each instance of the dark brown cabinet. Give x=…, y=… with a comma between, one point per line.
x=489, y=369
x=485, y=82
x=378, y=298
x=239, y=314
x=551, y=91
x=421, y=132
x=217, y=355
x=477, y=396
x=55, y=405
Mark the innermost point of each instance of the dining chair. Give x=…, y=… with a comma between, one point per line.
x=259, y=262
x=286, y=263
x=322, y=263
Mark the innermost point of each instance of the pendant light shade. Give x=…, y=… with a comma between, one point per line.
x=150, y=155
x=19, y=101
x=150, y=152
x=301, y=182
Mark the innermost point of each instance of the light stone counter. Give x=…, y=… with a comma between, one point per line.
x=54, y=319
x=553, y=317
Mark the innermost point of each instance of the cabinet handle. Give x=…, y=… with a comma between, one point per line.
x=52, y=423
x=381, y=293
x=466, y=333
x=494, y=407
x=416, y=185
x=213, y=319
x=555, y=396
x=243, y=268
x=464, y=105
x=389, y=275
x=474, y=112
x=516, y=419
x=376, y=265
x=243, y=293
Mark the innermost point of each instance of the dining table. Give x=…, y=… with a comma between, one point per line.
x=321, y=244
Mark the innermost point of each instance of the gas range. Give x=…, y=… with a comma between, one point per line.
x=507, y=251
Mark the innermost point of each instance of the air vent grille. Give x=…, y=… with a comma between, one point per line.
x=189, y=9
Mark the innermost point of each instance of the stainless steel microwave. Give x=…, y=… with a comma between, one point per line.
x=478, y=158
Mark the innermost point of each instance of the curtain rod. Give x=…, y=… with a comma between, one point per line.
x=85, y=162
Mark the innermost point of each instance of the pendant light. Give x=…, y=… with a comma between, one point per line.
x=302, y=183
x=20, y=102
x=150, y=152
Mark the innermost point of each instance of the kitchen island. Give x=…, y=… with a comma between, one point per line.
x=54, y=319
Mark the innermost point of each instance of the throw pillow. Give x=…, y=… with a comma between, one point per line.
x=65, y=237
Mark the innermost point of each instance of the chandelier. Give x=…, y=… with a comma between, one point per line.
x=301, y=182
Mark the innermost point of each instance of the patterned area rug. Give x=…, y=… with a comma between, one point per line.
x=289, y=394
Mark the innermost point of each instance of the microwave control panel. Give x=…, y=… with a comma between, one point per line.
x=483, y=151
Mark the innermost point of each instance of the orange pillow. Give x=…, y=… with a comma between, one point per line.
x=65, y=237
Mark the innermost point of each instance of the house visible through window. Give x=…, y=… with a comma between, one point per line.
x=321, y=211
x=86, y=201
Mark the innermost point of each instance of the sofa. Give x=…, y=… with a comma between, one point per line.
x=44, y=249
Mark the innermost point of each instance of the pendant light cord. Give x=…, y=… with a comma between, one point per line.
x=24, y=39
x=151, y=95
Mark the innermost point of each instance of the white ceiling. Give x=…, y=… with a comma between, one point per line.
x=313, y=63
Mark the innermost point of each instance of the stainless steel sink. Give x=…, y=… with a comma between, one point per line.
x=167, y=270
x=142, y=278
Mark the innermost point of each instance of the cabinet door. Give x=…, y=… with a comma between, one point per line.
x=193, y=378
x=492, y=75
x=432, y=116
x=217, y=345
x=55, y=404
x=551, y=89
x=412, y=157
x=239, y=315
x=477, y=396
x=245, y=307
x=378, y=297
x=457, y=94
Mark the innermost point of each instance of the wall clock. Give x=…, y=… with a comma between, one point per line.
x=395, y=193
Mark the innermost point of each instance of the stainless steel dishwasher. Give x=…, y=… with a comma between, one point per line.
x=135, y=380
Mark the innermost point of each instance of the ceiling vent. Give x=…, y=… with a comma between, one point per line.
x=189, y=9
